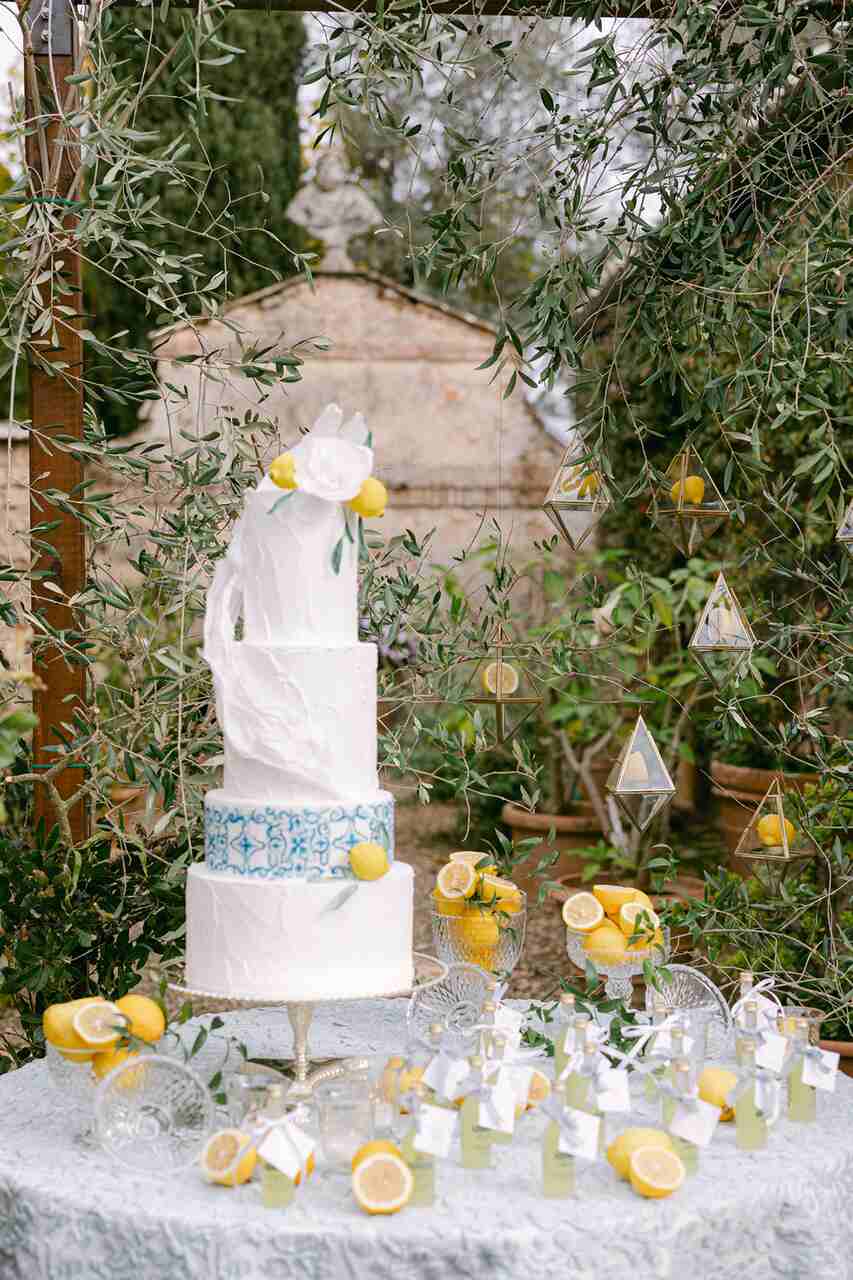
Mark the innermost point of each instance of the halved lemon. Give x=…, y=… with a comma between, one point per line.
x=613, y=896
x=503, y=672
x=539, y=1089
x=99, y=1025
x=447, y=906
x=644, y=898
x=474, y=857
x=655, y=1172
x=456, y=880
x=503, y=893
x=637, y=917
x=630, y=1140
x=382, y=1183
x=377, y=1147
x=229, y=1158
x=582, y=912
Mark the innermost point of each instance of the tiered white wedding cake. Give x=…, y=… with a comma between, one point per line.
x=275, y=910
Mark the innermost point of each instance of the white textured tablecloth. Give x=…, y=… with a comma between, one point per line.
x=68, y=1214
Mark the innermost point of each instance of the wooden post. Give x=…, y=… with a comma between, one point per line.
x=56, y=406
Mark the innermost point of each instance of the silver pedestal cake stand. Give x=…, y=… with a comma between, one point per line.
x=426, y=970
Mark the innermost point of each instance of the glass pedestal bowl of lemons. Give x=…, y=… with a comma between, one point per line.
x=477, y=916
x=616, y=928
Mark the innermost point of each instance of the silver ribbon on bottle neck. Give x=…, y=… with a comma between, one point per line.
x=476, y=1087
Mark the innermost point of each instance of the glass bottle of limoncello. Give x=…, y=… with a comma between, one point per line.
x=682, y=1083
x=421, y=1164
x=746, y=982
x=750, y=1123
x=558, y=1169
x=476, y=1142
x=802, y=1098
x=677, y=1052
x=576, y=1084
x=658, y=1015
x=564, y=1019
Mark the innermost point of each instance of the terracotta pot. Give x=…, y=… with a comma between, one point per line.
x=845, y=1049
x=739, y=791
x=576, y=831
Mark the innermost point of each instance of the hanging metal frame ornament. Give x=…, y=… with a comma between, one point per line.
x=723, y=640
x=773, y=842
x=845, y=529
x=688, y=507
x=499, y=682
x=577, y=499
x=639, y=780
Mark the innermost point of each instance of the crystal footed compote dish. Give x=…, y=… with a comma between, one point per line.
x=455, y=1002
x=492, y=940
x=619, y=975
x=686, y=990
x=153, y=1114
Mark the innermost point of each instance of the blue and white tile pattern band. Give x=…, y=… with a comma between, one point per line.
x=272, y=841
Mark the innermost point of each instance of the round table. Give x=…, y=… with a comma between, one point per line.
x=68, y=1213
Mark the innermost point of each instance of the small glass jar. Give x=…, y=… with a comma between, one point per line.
x=345, y=1119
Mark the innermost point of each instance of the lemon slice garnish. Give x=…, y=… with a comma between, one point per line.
x=582, y=912
x=99, y=1025
x=456, y=880
x=508, y=678
x=655, y=1172
x=382, y=1183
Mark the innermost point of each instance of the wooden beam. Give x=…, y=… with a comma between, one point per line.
x=56, y=406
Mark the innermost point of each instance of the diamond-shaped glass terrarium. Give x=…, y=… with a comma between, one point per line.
x=501, y=679
x=639, y=780
x=577, y=498
x=723, y=639
x=687, y=505
x=775, y=841
x=845, y=529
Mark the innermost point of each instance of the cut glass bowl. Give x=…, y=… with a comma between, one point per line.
x=619, y=984
x=688, y=990
x=456, y=1002
x=153, y=1114
x=492, y=942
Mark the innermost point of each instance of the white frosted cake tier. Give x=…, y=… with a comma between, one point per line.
x=299, y=724
x=296, y=939
x=291, y=593
x=269, y=841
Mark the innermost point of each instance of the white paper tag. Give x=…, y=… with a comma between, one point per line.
x=584, y=1141
x=695, y=1124
x=436, y=1129
x=521, y=1078
x=500, y=1115
x=509, y=1022
x=818, y=1079
x=287, y=1148
x=770, y=1052
x=614, y=1093
x=662, y=1044
x=445, y=1074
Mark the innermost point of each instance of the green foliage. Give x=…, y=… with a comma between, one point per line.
x=238, y=146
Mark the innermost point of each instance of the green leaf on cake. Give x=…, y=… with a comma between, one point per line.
x=284, y=497
x=337, y=554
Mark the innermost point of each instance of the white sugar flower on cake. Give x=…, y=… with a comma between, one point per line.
x=333, y=462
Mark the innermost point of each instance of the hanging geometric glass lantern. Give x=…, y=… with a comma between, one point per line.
x=639, y=779
x=577, y=499
x=723, y=639
x=504, y=683
x=774, y=841
x=845, y=529
x=688, y=507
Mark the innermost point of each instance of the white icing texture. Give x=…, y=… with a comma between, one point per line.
x=295, y=939
x=299, y=724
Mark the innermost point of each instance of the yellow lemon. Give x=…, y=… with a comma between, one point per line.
x=283, y=471
x=229, y=1158
x=99, y=1024
x=502, y=893
x=692, y=488
x=369, y=861
x=630, y=1140
x=371, y=499
x=104, y=1063
x=769, y=830
x=478, y=929
x=474, y=859
x=579, y=481
x=613, y=896
x=643, y=898
x=582, y=912
x=382, y=1183
x=655, y=1172
x=636, y=917
x=388, y=1081
x=58, y=1027
x=715, y=1085
x=456, y=880
x=499, y=677
x=310, y=1166
x=605, y=946
x=539, y=1090
x=448, y=906
x=372, y=1149
x=146, y=1018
